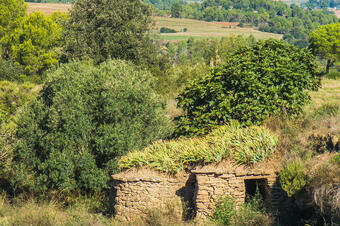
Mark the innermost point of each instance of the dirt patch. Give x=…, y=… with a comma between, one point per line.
x=336, y=12
x=227, y=24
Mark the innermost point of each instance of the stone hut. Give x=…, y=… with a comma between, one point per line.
x=196, y=190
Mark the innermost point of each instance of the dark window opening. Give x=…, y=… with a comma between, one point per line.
x=260, y=185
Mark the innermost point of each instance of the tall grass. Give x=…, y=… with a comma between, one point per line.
x=48, y=213
x=244, y=145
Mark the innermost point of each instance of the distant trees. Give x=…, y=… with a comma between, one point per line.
x=12, y=13
x=34, y=44
x=325, y=42
x=176, y=9
x=294, y=22
x=255, y=82
x=322, y=3
x=109, y=29
x=85, y=117
x=167, y=30
x=28, y=40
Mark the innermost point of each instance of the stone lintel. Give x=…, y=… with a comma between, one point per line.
x=135, y=179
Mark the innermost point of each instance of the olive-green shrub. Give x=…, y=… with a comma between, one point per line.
x=253, y=83
x=293, y=177
x=13, y=97
x=11, y=71
x=84, y=119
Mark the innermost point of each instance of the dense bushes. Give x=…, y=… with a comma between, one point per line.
x=10, y=71
x=13, y=96
x=255, y=82
x=84, y=119
x=167, y=30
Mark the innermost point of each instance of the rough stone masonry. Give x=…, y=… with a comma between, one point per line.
x=195, y=192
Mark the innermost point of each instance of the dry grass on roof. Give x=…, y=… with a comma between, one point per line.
x=241, y=145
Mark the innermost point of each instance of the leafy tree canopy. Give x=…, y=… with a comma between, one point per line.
x=100, y=29
x=84, y=119
x=33, y=46
x=28, y=40
x=294, y=22
x=11, y=15
x=325, y=42
x=252, y=84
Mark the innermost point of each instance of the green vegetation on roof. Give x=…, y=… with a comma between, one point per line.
x=244, y=145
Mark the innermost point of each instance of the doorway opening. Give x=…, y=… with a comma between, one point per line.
x=258, y=187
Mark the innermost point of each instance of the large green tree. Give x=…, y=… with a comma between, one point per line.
x=12, y=13
x=102, y=29
x=325, y=42
x=34, y=44
x=253, y=83
x=176, y=9
x=85, y=117
x=28, y=40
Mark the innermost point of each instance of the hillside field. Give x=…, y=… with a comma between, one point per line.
x=202, y=29
x=195, y=28
x=47, y=8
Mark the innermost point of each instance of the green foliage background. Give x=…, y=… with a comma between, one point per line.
x=84, y=119
x=255, y=82
x=31, y=41
x=325, y=42
x=102, y=29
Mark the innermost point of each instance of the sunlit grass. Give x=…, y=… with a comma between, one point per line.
x=203, y=29
x=329, y=94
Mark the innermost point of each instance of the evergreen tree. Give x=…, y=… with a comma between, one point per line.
x=101, y=29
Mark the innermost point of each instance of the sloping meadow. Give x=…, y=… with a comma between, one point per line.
x=243, y=145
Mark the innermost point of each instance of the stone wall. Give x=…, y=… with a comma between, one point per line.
x=134, y=195
x=198, y=190
x=212, y=185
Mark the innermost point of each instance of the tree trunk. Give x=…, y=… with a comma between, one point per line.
x=329, y=64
